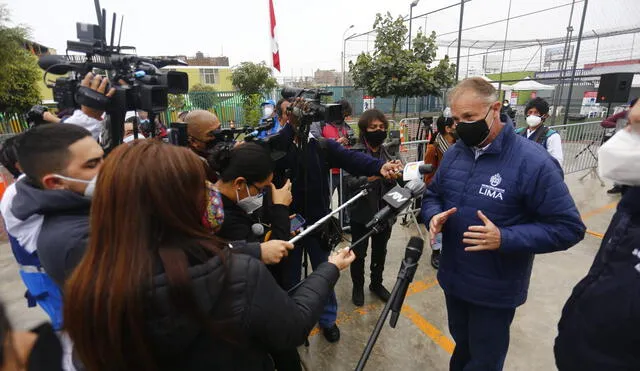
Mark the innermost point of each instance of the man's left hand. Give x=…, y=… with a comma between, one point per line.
x=391, y=170
x=482, y=237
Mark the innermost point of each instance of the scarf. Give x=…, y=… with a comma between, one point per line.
x=441, y=144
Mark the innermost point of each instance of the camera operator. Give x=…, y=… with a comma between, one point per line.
x=373, y=127
x=161, y=293
x=201, y=126
x=90, y=118
x=342, y=133
x=311, y=196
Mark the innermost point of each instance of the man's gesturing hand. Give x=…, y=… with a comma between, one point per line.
x=438, y=220
x=482, y=237
x=391, y=170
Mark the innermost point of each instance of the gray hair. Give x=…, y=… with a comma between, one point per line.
x=476, y=85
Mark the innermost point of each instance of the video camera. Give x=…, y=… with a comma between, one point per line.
x=317, y=111
x=145, y=86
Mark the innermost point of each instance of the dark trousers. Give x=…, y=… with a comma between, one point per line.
x=481, y=335
x=287, y=360
x=318, y=255
x=342, y=196
x=378, y=254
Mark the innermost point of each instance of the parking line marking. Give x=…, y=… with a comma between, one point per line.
x=595, y=234
x=346, y=317
x=428, y=329
x=599, y=210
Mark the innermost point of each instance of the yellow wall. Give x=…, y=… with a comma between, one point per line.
x=223, y=81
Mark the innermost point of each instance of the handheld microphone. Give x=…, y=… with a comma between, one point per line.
x=407, y=271
x=397, y=199
x=415, y=170
x=268, y=125
x=257, y=229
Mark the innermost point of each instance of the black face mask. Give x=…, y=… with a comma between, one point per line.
x=474, y=133
x=375, y=138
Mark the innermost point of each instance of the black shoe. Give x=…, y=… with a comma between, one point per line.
x=357, y=296
x=332, y=334
x=615, y=190
x=380, y=292
x=435, y=259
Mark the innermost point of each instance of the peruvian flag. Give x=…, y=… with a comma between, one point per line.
x=275, y=50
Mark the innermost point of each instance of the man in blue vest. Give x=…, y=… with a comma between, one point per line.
x=498, y=199
x=537, y=111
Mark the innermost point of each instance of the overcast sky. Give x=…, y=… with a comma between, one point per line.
x=310, y=32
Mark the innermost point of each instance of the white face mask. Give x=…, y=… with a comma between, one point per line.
x=533, y=120
x=249, y=204
x=505, y=104
x=267, y=111
x=91, y=184
x=619, y=158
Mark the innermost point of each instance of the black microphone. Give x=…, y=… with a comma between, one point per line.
x=407, y=271
x=425, y=169
x=397, y=199
x=268, y=125
x=56, y=64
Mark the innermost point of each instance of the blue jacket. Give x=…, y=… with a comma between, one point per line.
x=318, y=162
x=599, y=325
x=520, y=188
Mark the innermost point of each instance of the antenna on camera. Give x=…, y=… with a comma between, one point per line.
x=113, y=30
x=103, y=26
x=120, y=35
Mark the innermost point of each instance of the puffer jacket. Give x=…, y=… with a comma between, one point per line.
x=599, y=328
x=520, y=188
x=251, y=314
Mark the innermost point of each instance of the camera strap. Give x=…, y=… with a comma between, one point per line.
x=87, y=97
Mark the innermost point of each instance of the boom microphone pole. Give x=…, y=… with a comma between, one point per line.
x=405, y=276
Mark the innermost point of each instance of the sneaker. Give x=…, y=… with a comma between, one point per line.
x=615, y=190
x=380, y=292
x=332, y=334
x=357, y=296
x=435, y=259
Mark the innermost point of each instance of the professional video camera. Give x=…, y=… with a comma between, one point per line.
x=139, y=82
x=317, y=111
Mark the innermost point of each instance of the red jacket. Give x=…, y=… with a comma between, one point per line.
x=612, y=121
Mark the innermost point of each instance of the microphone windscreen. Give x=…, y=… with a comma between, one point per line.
x=425, y=169
x=416, y=186
x=414, y=249
x=61, y=64
x=257, y=229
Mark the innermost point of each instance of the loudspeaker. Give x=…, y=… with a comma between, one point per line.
x=614, y=88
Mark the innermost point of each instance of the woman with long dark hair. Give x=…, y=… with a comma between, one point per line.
x=156, y=291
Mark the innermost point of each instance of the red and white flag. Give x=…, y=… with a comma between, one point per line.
x=275, y=49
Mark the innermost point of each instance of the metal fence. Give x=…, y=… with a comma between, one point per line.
x=580, y=144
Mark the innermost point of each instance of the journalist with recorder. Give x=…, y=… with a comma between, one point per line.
x=498, y=199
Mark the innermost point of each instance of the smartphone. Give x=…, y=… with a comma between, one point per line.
x=297, y=223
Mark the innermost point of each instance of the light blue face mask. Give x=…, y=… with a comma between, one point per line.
x=91, y=184
x=249, y=204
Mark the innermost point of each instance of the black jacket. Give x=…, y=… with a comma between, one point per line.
x=252, y=314
x=363, y=210
x=237, y=223
x=64, y=232
x=600, y=324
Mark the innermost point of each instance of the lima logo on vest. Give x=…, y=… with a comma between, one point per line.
x=492, y=190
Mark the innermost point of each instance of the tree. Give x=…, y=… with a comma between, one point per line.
x=203, y=96
x=394, y=71
x=176, y=101
x=252, y=81
x=19, y=70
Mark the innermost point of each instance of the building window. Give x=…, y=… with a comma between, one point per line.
x=208, y=75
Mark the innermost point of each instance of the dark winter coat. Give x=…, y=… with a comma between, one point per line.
x=520, y=188
x=251, y=316
x=600, y=324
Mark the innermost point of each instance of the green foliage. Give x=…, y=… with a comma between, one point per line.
x=203, y=96
x=19, y=69
x=176, y=101
x=253, y=78
x=252, y=111
x=394, y=71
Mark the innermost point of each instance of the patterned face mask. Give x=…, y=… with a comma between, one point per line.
x=214, y=212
